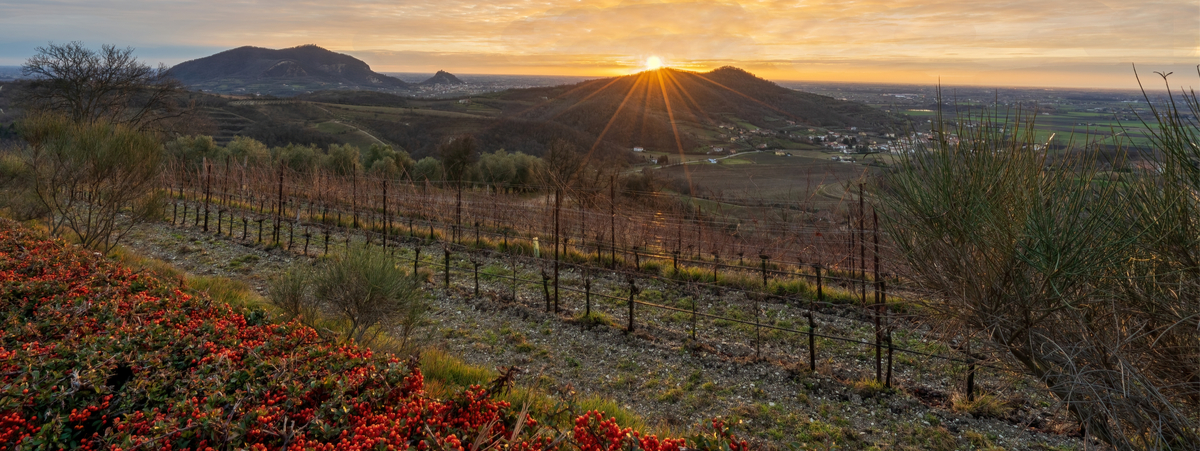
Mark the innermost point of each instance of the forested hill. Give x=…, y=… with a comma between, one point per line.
x=250, y=70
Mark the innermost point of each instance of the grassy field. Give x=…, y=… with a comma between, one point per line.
x=348, y=133
x=417, y=111
x=1074, y=127
x=766, y=177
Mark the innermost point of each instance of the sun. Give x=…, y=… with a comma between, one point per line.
x=653, y=63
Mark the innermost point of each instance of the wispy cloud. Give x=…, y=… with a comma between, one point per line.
x=905, y=40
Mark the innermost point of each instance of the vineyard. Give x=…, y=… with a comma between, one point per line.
x=635, y=260
x=106, y=358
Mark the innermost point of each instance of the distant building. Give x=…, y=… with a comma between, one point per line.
x=638, y=149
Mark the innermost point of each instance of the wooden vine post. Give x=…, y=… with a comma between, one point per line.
x=476, y=264
x=587, y=291
x=387, y=220
x=812, y=324
x=279, y=208
x=446, y=249
x=878, y=310
x=758, y=309
x=557, y=241
x=612, y=218
x=891, y=348
x=633, y=290
x=207, y=191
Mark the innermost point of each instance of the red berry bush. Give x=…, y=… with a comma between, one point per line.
x=95, y=356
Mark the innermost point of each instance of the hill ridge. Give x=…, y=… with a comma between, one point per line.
x=442, y=78
x=308, y=67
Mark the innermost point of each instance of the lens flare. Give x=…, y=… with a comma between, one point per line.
x=653, y=63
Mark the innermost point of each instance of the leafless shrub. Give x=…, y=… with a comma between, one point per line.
x=95, y=180
x=363, y=290
x=1089, y=284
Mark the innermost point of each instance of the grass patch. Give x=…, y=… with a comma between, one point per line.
x=654, y=267
x=137, y=262
x=595, y=318
x=694, y=274
x=986, y=405
x=225, y=290
x=446, y=374
x=869, y=387
x=672, y=395
x=450, y=373
x=915, y=438
x=494, y=271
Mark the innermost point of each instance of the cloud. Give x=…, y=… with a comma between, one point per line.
x=615, y=35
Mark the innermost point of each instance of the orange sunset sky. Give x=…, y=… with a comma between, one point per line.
x=1064, y=43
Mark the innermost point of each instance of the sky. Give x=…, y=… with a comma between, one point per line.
x=1051, y=43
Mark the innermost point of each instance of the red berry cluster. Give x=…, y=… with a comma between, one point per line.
x=96, y=356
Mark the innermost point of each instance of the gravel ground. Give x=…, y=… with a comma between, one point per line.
x=675, y=382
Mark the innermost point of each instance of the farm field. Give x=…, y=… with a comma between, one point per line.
x=763, y=177
x=1078, y=127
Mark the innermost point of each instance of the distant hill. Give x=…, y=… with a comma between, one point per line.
x=296, y=70
x=8, y=73
x=727, y=108
x=698, y=103
x=443, y=78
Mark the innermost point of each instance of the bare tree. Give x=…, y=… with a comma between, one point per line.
x=109, y=85
x=563, y=163
x=459, y=155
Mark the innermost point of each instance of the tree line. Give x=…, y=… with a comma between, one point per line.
x=458, y=161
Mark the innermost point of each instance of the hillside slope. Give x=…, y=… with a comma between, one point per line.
x=96, y=356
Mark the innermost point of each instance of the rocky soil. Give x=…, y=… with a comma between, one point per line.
x=675, y=382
